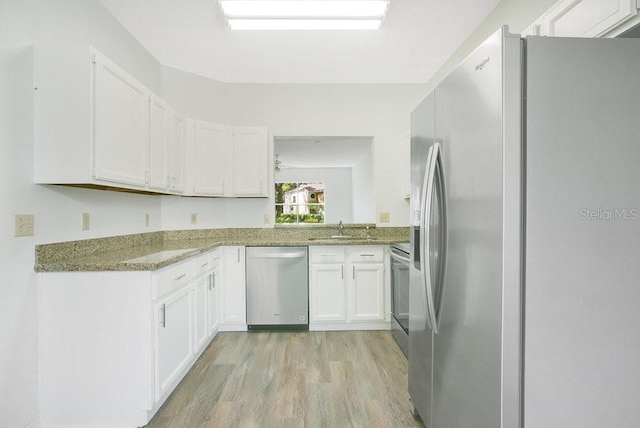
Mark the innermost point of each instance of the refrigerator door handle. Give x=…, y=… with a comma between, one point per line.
x=441, y=262
x=426, y=203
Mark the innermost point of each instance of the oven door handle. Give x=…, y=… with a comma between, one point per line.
x=397, y=257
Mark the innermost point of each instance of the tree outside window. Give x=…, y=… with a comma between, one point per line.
x=299, y=203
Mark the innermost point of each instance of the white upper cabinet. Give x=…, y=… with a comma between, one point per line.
x=584, y=18
x=176, y=152
x=231, y=162
x=94, y=124
x=121, y=125
x=159, y=133
x=213, y=152
x=250, y=161
x=166, y=148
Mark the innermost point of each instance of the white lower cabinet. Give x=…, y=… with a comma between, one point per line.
x=348, y=288
x=213, y=301
x=233, y=307
x=201, y=315
x=174, y=338
x=367, y=292
x=327, y=293
x=113, y=345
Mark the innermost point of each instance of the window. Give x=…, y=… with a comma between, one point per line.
x=299, y=203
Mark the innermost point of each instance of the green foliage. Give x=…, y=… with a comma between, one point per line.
x=302, y=218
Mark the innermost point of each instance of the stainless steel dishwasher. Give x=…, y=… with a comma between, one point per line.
x=277, y=288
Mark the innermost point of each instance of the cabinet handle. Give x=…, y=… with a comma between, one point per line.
x=213, y=279
x=163, y=320
x=342, y=271
x=238, y=255
x=204, y=264
x=367, y=255
x=353, y=275
x=179, y=277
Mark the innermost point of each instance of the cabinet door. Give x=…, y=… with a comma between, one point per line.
x=159, y=127
x=250, y=161
x=176, y=153
x=366, y=292
x=327, y=293
x=586, y=18
x=121, y=126
x=233, y=292
x=213, y=318
x=213, y=152
x=201, y=309
x=173, y=338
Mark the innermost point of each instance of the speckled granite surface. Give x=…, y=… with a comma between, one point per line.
x=111, y=254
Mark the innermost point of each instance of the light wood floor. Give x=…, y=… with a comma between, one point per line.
x=294, y=379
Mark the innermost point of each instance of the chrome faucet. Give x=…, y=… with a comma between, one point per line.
x=340, y=228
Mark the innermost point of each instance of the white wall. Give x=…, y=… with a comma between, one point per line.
x=338, y=195
x=57, y=209
x=363, y=191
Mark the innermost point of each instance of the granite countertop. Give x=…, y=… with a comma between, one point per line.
x=155, y=250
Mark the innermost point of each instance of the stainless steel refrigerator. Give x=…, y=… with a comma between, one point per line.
x=525, y=244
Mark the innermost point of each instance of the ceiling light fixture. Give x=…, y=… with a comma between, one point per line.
x=304, y=14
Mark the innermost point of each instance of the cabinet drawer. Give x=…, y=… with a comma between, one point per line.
x=366, y=254
x=328, y=254
x=206, y=262
x=172, y=278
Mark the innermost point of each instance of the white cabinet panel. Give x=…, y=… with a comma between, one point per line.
x=367, y=292
x=166, y=148
x=159, y=126
x=173, y=338
x=176, y=152
x=327, y=293
x=250, y=160
x=213, y=302
x=586, y=18
x=233, y=291
x=121, y=125
x=201, y=315
x=213, y=152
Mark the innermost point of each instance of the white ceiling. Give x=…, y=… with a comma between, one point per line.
x=414, y=41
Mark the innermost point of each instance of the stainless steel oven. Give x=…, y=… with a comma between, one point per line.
x=400, y=294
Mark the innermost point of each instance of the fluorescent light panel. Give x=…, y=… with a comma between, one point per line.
x=304, y=14
x=304, y=24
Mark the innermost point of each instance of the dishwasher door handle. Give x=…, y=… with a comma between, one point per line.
x=297, y=255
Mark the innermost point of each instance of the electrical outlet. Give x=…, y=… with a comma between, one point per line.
x=194, y=218
x=146, y=220
x=24, y=225
x=267, y=219
x=86, y=221
x=384, y=217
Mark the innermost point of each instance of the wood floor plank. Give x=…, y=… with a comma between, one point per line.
x=293, y=379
